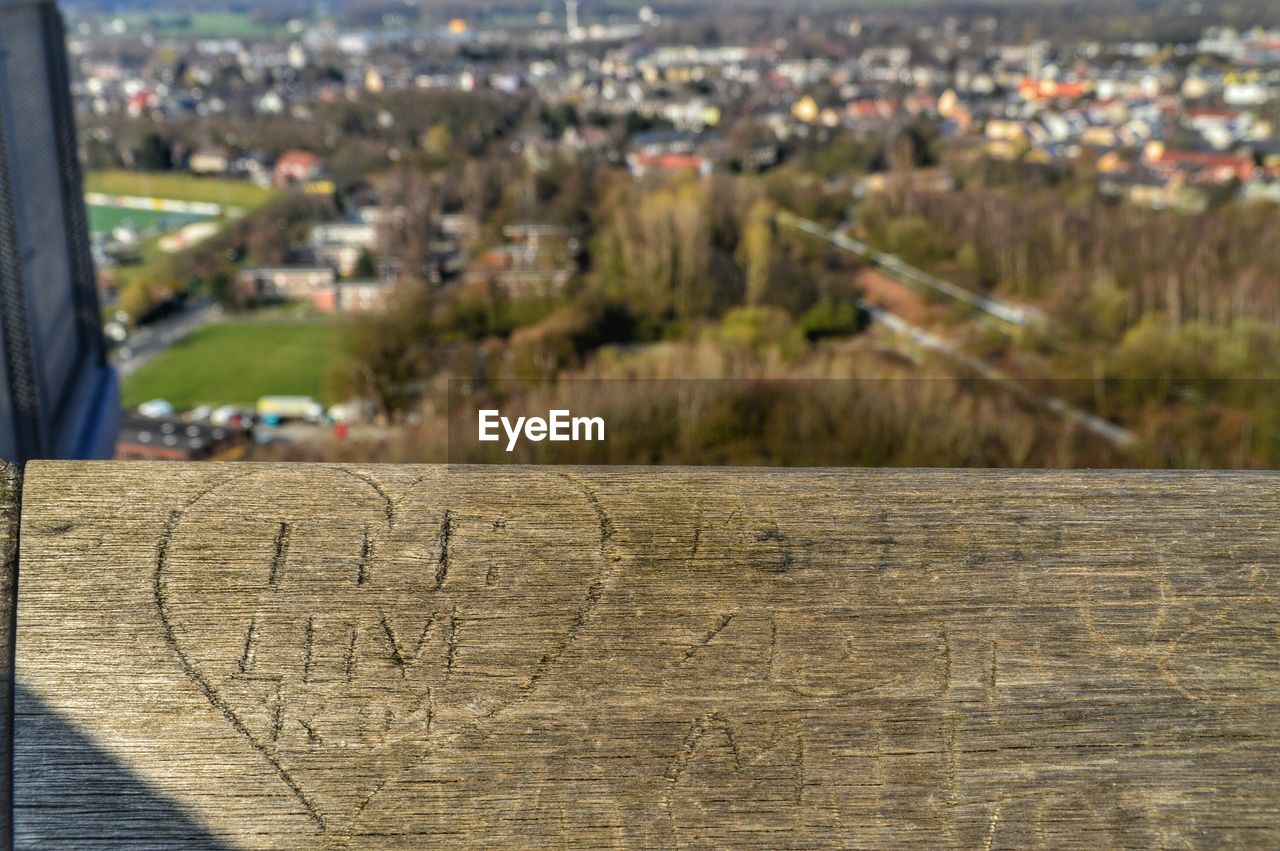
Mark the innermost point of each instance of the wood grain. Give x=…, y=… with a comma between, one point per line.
x=280, y=656
x=10, y=503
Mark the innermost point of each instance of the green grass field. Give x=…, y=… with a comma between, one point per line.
x=199, y=24
x=178, y=187
x=236, y=362
x=170, y=186
x=106, y=219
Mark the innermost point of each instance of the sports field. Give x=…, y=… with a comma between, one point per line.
x=235, y=196
x=179, y=187
x=104, y=219
x=229, y=24
x=236, y=362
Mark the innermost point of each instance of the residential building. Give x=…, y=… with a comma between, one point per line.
x=286, y=282
x=296, y=167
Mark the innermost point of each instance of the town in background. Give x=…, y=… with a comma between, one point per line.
x=1012, y=233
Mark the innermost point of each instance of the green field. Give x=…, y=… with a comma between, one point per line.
x=106, y=219
x=236, y=362
x=170, y=186
x=199, y=24
x=178, y=187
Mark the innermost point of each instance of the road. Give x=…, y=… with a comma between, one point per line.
x=1005, y=311
x=925, y=339
x=1114, y=434
x=144, y=344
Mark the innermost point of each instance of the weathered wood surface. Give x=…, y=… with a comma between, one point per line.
x=325, y=657
x=10, y=501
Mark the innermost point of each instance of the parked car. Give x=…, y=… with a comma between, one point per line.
x=156, y=409
x=277, y=409
x=231, y=416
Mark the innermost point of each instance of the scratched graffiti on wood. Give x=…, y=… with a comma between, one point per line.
x=342, y=638
x=592, y=657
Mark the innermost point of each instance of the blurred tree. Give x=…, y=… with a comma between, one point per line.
x=755, y=253
x=156, y=154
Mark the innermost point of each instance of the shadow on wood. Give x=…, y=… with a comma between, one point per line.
x=75, y=769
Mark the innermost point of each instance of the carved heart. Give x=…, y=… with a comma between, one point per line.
x=341, y=633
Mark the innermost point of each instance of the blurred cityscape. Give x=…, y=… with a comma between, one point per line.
x=1003, y=233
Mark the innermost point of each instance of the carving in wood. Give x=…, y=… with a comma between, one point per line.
x=343, y=638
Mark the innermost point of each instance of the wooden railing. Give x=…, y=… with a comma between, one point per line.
x=310, y=656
